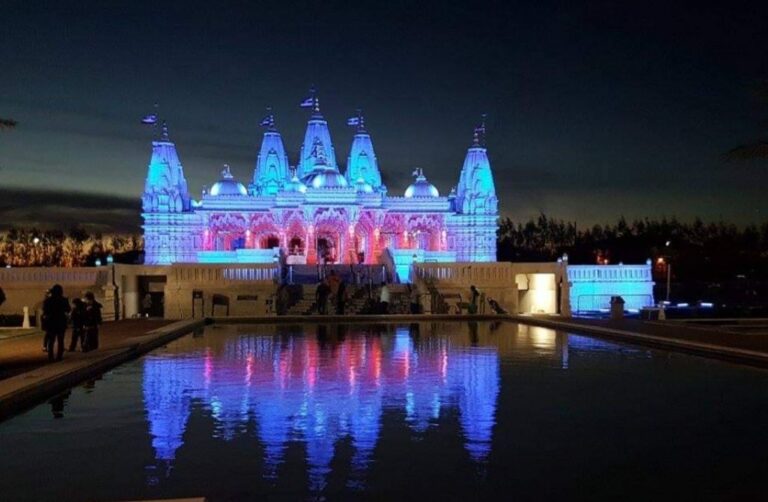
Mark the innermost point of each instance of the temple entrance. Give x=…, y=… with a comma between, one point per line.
x=296, y=246
x=327, y=251
x=270, y=241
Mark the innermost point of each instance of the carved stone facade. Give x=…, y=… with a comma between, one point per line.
x=313, y=213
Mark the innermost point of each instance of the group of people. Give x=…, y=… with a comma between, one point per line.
x=332, y=291
x=84, y=314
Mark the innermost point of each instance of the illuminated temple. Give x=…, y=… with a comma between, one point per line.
x=313, y=212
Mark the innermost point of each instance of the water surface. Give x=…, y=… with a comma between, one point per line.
x=420, y=411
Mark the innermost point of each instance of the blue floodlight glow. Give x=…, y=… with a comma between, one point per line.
x=706, y=305
x=296, y=391
x=592, y=286
x=350, y=215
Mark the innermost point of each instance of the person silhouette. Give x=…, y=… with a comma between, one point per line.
x=55, y=310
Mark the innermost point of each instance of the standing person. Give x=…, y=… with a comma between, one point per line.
x=92, y=321
x=473, y=301
x=55, y=310
x=384, y=299
x=78, y=325
x=321, y=297
x=341, y=297
x=413, y=298
x=333, y=282
x=146, y=305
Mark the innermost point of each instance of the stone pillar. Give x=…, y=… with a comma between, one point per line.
x=311, y=246
x=130, y=295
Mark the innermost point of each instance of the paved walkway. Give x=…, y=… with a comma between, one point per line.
x=24, y=353
x=711, y=341
x=122, y=341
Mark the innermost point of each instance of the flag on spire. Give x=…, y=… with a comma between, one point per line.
x=353, y=121
x=308, y=102
x=269, y=120
x=479, y=133
x=150, y=119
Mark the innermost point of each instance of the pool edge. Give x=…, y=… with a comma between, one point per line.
x=28, y=389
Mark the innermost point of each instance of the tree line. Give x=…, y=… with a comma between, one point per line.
x=697, y=250
x=20, y=247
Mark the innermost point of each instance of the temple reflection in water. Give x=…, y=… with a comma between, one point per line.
x=335, y=382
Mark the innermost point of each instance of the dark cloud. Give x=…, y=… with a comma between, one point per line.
x=25, y=207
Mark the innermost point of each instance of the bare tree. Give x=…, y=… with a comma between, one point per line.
x=7, y=123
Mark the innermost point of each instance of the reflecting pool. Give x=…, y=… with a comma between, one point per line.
x=431, y=410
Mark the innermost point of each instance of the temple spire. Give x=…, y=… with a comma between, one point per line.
x=362, y=159
x=317, y=131
x=476, y=191
x=271, y=171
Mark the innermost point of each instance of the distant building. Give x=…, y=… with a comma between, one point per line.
x=312, y=213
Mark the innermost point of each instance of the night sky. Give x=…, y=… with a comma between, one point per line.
x=594, y=111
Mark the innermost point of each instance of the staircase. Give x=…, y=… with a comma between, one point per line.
x=357, y=303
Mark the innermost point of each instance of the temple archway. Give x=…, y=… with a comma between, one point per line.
x=296, y=246
x=269, y=241
x=327, y=244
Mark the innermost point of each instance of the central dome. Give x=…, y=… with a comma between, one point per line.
x=421, y=187
x=227, y=185
x=325, y=178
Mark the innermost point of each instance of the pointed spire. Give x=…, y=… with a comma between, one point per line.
x=476, y=191
x=362, y=158
x=317, y=130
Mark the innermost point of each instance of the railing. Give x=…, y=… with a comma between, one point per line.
x=224, y=273
x=486, y=274
x=51, y=275
x=609, y=273
x=589, y=303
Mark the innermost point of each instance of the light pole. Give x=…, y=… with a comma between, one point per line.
x=116, y=289
x=669, y=269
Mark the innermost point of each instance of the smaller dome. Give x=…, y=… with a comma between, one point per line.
x=421, y=187
x=325, y=178
x=227, y=185
x=362, y=186
x=295, y=185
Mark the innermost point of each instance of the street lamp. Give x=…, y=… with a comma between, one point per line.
x=116, y=289
x=668, y=266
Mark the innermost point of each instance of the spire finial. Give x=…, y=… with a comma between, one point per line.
x=479, y=133
x=164, y=132
x=357, y=120
x=361, y=121
x=312, y=101
x=269, y=120
x=226, y=173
